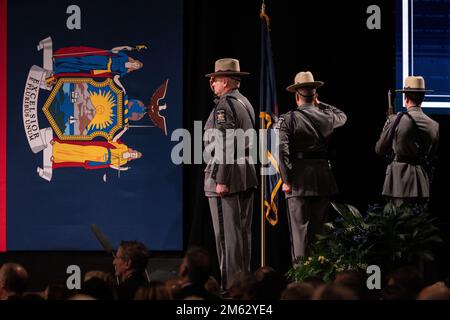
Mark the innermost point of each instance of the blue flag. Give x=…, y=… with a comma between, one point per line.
x=268, y=112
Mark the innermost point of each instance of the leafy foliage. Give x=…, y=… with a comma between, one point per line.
x=387, y=236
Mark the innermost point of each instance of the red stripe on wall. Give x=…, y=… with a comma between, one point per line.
x=3, y=77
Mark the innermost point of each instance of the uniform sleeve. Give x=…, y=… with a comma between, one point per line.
x=285, y=161
x=384, y=143
x=434, y=145
x=225, y=123
x=339, y=118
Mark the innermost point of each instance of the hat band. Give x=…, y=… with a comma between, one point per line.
x=304, y=95
x=228, y=70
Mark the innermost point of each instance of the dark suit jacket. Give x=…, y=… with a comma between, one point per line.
x=192, y=290
x=127, y=289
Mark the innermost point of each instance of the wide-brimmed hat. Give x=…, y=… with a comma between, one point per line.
x=414, y=84
x=304, y=79
x=227, y=67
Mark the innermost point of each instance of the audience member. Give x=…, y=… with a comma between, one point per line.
x=130, y=264
x=13, y=281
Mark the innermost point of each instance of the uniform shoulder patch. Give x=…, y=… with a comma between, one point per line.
x=221, y=116
x=279, y=122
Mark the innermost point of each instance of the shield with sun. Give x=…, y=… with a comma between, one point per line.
x=83, y=109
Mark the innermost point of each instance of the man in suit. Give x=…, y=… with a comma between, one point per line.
x=195, y=269
x=230, y=175
x=130, y=264
x=412, y=137
x=308, y=181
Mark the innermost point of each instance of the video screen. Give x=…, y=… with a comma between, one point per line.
x=422, y=48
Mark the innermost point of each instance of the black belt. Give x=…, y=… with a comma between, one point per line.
x=409, y=160
x=311, y=155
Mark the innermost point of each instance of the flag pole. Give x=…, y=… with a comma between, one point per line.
x=268, y=107
x=263, y=224
x=263, y=155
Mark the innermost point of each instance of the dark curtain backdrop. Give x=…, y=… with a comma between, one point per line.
x=331, y=40
x=357, y=66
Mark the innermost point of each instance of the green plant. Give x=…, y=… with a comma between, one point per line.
x=388, y=236
x=313, y=266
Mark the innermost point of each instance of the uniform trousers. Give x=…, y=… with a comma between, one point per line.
x=306, y=218
x=232, y=222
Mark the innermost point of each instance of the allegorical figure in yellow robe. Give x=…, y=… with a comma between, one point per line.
x=93, y=154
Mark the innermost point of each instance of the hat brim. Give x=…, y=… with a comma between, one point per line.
x=413, y=90
x=294, y=87
x=227, y=73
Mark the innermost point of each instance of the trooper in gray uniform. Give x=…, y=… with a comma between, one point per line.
x=411, y=138
x=304, y=161
x=230, y=175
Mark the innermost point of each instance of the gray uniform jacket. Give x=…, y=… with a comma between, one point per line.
x=232, y=111
x=405, y=180
x=308, y=176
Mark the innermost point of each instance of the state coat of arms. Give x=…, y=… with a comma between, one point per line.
x=88, y=108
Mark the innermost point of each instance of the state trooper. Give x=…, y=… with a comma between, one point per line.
x=411, y=138
x=230, y=186
x=308, y=181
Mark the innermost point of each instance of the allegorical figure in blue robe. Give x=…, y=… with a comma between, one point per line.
x=94, y=62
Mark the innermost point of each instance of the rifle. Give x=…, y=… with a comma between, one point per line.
x=390, y=111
